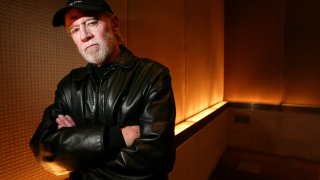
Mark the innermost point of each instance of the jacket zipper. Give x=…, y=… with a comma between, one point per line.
x=98, y=93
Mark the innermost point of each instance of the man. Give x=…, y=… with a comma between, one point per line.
x=114, y=118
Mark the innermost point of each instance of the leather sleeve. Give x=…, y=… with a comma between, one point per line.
x=67, y=149
x=154, y=152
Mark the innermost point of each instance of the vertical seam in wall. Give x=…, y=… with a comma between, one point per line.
x=211, y=56
x=185, y=57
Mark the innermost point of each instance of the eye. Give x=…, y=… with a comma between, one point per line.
x=92, y=22
x=74, y=30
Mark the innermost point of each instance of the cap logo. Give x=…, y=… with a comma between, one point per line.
x=75, y=2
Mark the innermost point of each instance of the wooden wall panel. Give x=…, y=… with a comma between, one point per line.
x=197, y=56
x=34, y=56
x=216, y=51
x=156, y=29
x=254, y=51
x=273, y=52
x=302, y=52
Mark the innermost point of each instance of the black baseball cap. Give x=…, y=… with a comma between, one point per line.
x=90, y=5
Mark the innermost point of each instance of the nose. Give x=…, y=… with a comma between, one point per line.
x=85, y=34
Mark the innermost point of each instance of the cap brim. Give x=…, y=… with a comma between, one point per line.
x=59, y=16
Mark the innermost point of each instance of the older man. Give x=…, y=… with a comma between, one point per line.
x=114, y=118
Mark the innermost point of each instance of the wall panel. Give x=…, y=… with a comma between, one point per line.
x=34, y=57
x=197, y=55
x=156, y=29
x=273, y=51
x=302, y=52
x=216, y=74
x=254, y=51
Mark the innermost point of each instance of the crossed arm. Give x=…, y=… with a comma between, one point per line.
x=130, y=133
x=57, y=139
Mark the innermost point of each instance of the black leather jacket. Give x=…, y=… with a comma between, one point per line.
x=133, y=91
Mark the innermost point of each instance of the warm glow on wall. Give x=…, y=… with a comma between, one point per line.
x=198, y=117
x=272, y=52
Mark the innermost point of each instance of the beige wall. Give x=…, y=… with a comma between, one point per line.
x=287, y=133
x=197, y=157
x=185, y=35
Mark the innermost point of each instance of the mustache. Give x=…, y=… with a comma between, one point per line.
x=89, y=44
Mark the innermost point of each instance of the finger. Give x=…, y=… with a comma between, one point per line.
x=62, y=117
x=61, y=122
x=136, y=129
x=70, y=120
x=67, y=122
x=69, y=117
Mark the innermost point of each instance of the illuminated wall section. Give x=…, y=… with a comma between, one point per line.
x=156, y=29
x=272, y=51
x=197, y=56
x=204, y=54
x=217, y=39
x=187, y=36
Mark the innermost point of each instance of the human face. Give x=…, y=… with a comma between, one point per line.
x=93, y=35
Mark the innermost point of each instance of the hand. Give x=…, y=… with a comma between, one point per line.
x=130, y=133
x=65, y=121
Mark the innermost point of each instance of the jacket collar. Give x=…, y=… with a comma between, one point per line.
x=125, y=60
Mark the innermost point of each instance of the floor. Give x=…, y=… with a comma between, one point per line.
x=238, y=164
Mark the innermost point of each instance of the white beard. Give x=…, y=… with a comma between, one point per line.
x=102, y=52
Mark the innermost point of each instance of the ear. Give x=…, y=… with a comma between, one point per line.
x=115, y=24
